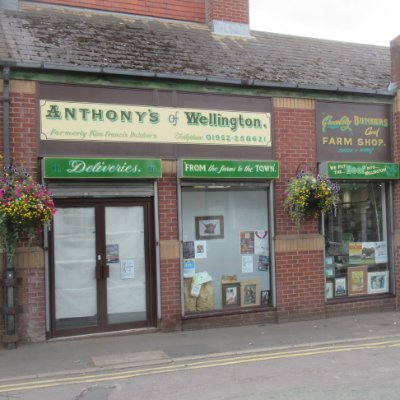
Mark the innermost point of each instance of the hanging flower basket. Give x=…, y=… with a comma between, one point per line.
x=308, y=195
x=25, y=205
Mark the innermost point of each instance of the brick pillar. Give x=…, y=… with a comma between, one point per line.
x=395, y=60
x=31, y=298
x=395, y=78
x=29, y=261
x=299, y=252
x=23, y=135
x=228, y=16
x=169, y=249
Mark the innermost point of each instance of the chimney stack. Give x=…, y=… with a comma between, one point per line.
x=395, y=60
x=228, y=17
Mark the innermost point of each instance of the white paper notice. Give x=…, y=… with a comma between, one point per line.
x=127, y=269
x=189, y=268
x=247, y=264
x=381, y=252
x=200, y=249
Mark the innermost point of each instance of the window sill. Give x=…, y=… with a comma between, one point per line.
x=231, y=311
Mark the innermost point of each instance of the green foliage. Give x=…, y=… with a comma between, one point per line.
x=306, y=196
x=25, y=206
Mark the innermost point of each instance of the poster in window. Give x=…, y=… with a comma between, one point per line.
x=200, y=249
x=261, y=242
x=355, y=253
x=378, y=282
x=247, y=264
x=247, y=242
x=188, y=250
x=112, y=253
x=263, y=263
x=381, y=253
x=189, y=268
x=367, y=253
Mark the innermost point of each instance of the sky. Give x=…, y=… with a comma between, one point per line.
x=359, y=21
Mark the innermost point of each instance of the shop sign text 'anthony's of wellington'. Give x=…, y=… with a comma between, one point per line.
x=138, y=124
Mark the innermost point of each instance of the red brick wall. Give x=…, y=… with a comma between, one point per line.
x=1, y=165
x=295, y=144
x=169, y=264
x=354, y=306
x=247, y=317
x=395, y=58
x=23, y=136
x=299, y=274
x=300, y=284
x=396, y=191
x=31, y=323
x=183, y=10
x=228, y=10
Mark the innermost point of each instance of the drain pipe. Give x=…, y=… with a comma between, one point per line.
x=6, y=115
x=10, y=337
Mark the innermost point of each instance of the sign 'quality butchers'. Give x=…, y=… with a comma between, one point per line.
x=349, y=131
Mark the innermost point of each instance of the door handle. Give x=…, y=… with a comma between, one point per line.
x=98, y=272
x=102, y=271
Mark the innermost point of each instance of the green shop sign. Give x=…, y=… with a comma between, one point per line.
x=358, y=170
x=230, y=169
x=125, y=168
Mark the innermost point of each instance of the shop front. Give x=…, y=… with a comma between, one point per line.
x=102, y=267
x=359, y=261
x=152, y=223
x=226, y=230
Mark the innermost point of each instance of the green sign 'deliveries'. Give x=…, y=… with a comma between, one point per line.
x=125, y=168
x=228, y=169
x=355, y=170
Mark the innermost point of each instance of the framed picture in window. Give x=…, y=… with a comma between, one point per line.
x=250, y=293
x=210, y=227
x=231, y=294
x=340, y=286
x=357, y=280
x=329, y=289
x=264, y=296
x=329, y=271
x=378, y=282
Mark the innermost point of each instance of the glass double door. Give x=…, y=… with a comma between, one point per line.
x=103, y=274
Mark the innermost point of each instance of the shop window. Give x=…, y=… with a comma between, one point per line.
x=225, y=247
x=356, y=256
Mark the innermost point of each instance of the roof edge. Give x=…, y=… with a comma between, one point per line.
x=194, y=78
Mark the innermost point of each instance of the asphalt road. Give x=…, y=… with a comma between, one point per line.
x=366, y=369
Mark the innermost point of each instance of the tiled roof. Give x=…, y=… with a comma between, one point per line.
x=87, y=39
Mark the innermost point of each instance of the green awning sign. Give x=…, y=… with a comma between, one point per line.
x=102, y=168
x=230, y=169
x=359, y=170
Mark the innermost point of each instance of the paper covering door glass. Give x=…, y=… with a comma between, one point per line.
x=125, y=257
x=75, y=283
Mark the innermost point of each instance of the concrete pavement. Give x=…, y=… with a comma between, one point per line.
x=95, y=353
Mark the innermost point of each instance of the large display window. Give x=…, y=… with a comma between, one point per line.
x=225, y=246
x=357, y=249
